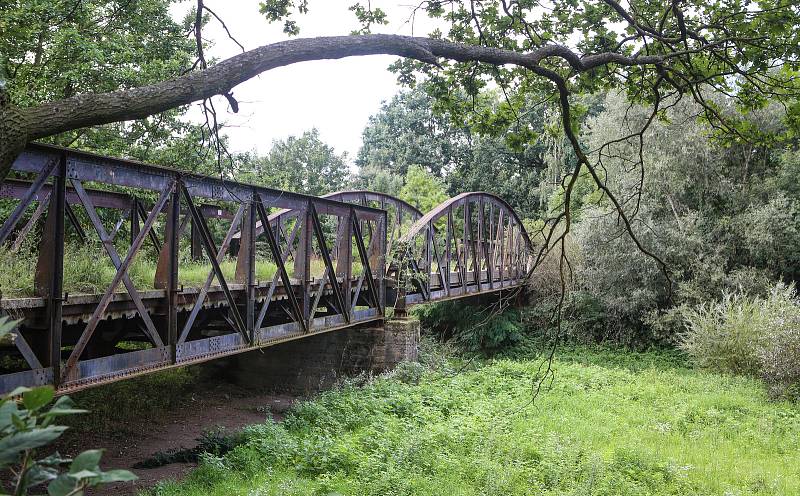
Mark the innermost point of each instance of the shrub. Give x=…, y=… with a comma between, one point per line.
x=27, y=426
x=724, y=335
x=749, y=335
x=472, y=327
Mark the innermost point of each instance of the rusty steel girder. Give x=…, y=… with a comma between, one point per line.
x=72, y=341
x=489, y=251
x=330, y=255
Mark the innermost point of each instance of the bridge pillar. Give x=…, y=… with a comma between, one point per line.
x=318, y=361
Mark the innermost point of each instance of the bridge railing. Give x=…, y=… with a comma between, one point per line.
x=318, y=268
x=469, y=244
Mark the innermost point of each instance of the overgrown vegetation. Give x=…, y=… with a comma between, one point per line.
x=614, y=422
x=28, y=424
x=754, y=336
x=474, y=327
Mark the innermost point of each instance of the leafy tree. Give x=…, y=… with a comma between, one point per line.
x=304, y=164
x=407, y=131
x=411, y=129
x=57, y=49
x=720, y=215
x=375, y=178
x=422, y=189
x=654, y=51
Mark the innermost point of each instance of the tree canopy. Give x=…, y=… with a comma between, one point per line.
x=654, y=51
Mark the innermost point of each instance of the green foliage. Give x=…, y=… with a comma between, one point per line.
x=304, y=164
x=723, y=218
x=412, y=130
x=615, y=422
x=28, y=426
x=373, y=178
x=406, y=132
x=58, y=49
x=422, y=189
x=87, y=270
x=744, y=335
x=470, y=326
x=214, y=442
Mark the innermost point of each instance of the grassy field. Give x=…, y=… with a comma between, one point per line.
x=613, y=423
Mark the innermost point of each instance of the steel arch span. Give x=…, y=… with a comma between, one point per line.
x=273, y=265
x=473, y=243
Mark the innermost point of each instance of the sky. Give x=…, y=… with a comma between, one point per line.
x=337, y=96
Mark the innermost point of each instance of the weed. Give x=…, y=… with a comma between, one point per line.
x=614, y=422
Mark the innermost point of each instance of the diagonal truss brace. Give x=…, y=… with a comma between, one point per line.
x=108, y=244
x=212, y=253
x=276, y=255
x=121, y=271
x=326, y=257
x=198, y=305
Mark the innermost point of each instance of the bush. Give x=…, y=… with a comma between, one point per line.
x=750, y=335
x=475, y=328
x=27, y=426
x=724, y=335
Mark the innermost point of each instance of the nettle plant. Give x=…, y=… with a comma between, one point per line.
x=28, y=425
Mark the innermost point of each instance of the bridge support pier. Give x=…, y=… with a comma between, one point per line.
x=317, y=362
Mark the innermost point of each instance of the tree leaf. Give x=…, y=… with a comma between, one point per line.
x=11, y=446
x=38, y=474
x=117, y=475
x=7, y=409
x=88, y=460
x=38, y=397
x=84, y=474
x=62, y=485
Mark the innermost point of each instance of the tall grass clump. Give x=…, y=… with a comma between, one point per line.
x=750, y=336
x=16, y=273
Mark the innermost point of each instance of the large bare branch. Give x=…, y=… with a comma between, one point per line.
x=93, y=109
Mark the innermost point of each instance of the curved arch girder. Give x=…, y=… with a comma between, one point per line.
x=474, y=242
x=402, y=210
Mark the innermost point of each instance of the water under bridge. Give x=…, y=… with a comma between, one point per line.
x=274, y=266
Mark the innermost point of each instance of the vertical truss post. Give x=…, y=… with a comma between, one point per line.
x=464, y=248
x=490, y=248
x=381, y=232
x=305, y=254
x=502, y=242
x=50, y=267
x=448, y=247
x=478, y=254
x=344, y=259
x=134, y=219
x=250, y=262
x=428, y=255
x=172, y=241
x=196, y=247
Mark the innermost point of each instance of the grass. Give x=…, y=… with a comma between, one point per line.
x=613, y=423
x=91, y=272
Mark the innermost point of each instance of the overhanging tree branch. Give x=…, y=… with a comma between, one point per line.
x=92, y=109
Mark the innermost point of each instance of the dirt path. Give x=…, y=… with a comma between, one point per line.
x=218, y=405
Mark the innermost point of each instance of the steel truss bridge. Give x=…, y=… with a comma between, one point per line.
x=279, y=265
